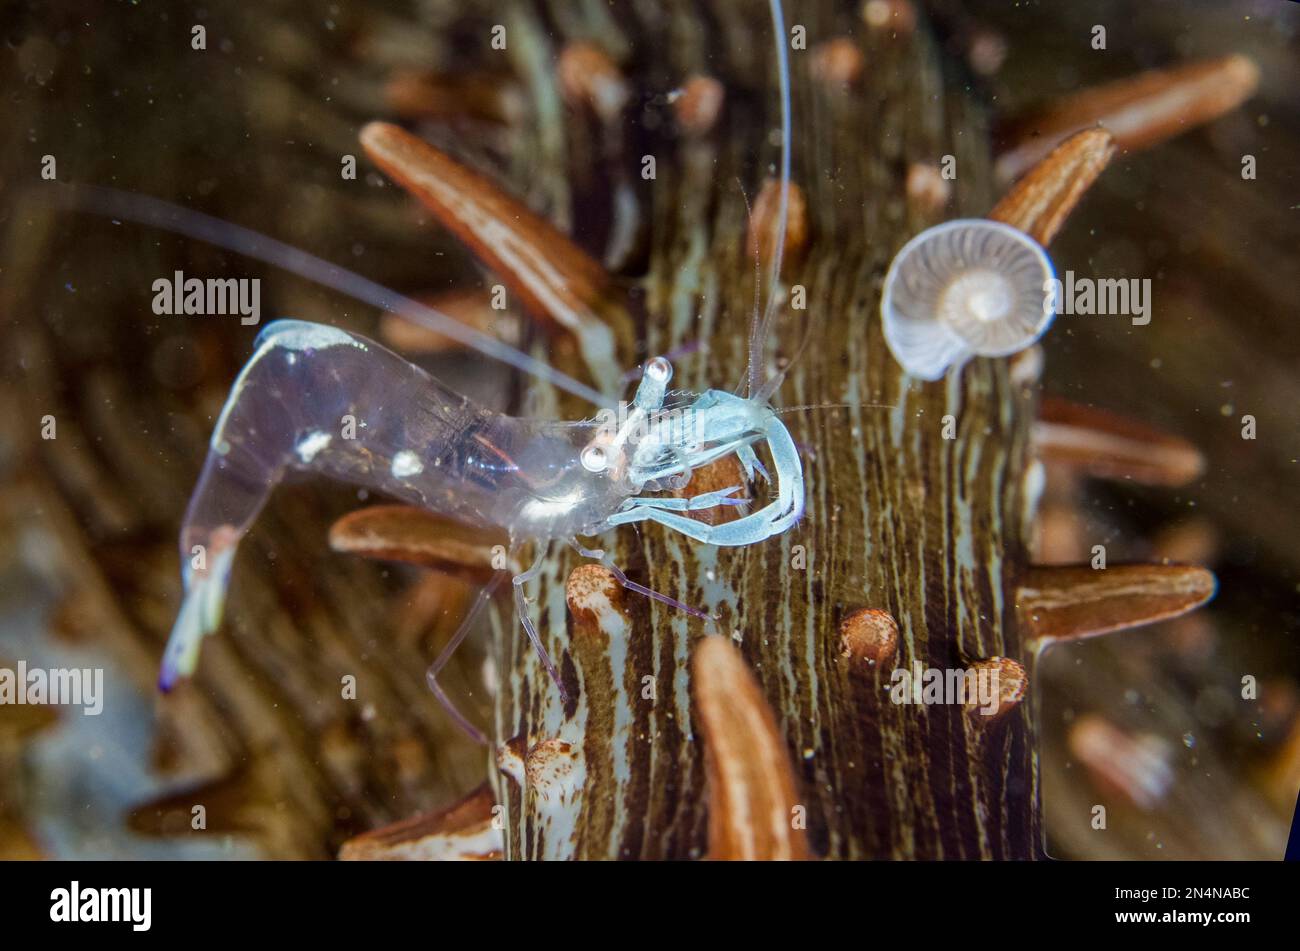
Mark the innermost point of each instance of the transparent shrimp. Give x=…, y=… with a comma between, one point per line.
x=318, y=399
x=322, y=400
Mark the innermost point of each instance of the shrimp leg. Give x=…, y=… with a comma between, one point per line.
x=599, y=554
x=431, y=675
x=521, y=604
x=484, y=596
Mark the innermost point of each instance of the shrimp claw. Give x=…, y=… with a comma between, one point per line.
x=725, y=424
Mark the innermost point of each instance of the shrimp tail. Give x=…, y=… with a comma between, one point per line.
x=200, y=615
x=319, y=400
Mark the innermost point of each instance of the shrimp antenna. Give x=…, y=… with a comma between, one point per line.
x=759, y=328
x=147, y=210
x=746, y=383
x=783, y=410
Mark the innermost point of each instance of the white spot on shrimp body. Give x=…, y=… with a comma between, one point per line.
x=311, y=444
x=406, y=464
x=552, y=507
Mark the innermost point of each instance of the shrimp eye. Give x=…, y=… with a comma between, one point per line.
x=594, y=459
x=658, y=368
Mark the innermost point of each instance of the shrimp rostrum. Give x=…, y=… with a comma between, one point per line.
x=321, y=400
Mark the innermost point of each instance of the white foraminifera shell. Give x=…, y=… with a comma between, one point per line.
x=965, y=288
